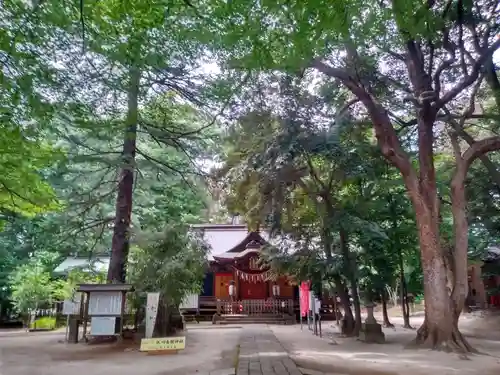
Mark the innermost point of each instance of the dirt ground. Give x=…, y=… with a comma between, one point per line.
x=213, y=348
x=44, y=353
x=333, y=354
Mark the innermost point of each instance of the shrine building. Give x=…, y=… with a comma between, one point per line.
x=234, y=260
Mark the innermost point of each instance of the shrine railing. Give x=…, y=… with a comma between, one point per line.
x=256, y=306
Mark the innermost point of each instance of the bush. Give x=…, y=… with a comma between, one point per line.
x=45, y=322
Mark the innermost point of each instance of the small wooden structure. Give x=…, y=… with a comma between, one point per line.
x=105, y=305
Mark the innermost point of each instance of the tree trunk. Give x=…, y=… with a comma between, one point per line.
x=121, y=232
x=405, y=308
x=162, y=323
x=405, y=305
x=351, y=275
x=386, y=322
x=357, y=308
x=493, y=81
x=442, y=312
x=338, y=314
x=440, y=328
x=348, y=319
x=404, y=293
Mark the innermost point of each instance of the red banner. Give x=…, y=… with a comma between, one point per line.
x=304, y=297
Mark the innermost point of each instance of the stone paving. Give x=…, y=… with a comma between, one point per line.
x=262, y=354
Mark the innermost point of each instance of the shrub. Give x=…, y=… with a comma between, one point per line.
x=45, y=322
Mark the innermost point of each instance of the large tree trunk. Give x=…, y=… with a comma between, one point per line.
x=440, y=328
x=121, y=232
x=442, y=311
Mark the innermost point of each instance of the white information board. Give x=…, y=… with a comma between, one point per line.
x=102, y=325
x=317, y=306
x=151, y=313
x=72, y=306
x=105, y=303
x=189, y=302
x=312, y=298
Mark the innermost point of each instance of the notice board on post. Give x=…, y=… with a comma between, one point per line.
x=103, y=326
x=105, y=303
x=72, y=306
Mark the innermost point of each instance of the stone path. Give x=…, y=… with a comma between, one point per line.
x=262, y=354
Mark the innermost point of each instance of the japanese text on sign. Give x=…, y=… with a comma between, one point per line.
x=166, y=343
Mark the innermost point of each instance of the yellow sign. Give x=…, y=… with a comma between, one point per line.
x=163, y=343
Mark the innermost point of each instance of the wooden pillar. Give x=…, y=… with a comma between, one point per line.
x=237, y=285
x=122, y=315
x=478, y=284
x=86, y=315
x=213, y=284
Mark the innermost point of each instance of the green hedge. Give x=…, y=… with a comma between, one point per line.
x=45, y=322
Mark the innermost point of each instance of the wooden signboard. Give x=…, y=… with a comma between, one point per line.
x=103, y=326
x=163, y=345
x=72, y=306
x=105, y=303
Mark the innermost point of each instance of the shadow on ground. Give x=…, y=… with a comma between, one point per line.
x=349, y=356
x=24, y=353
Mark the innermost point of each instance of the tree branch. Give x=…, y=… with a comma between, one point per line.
x=469, y=79
x=480, y=148
x=330, y=71
x=384, y=131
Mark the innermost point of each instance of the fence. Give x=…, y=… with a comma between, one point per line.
x=256, y=306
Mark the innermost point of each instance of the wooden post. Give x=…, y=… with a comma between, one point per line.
x=85, y=314
x=313, y=311
x=122, y=315
x=319, y=321
x=335, y=308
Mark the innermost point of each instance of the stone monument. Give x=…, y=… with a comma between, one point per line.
x=371, y=331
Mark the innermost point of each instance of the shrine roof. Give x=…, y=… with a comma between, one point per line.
x=234, y=255
x=492, y=254
x=100, y=264
x=104, y=288
x=223, y=239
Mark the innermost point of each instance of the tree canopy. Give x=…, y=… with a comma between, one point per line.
x=364, y=135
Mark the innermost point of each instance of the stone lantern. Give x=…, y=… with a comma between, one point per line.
x=371, y=331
